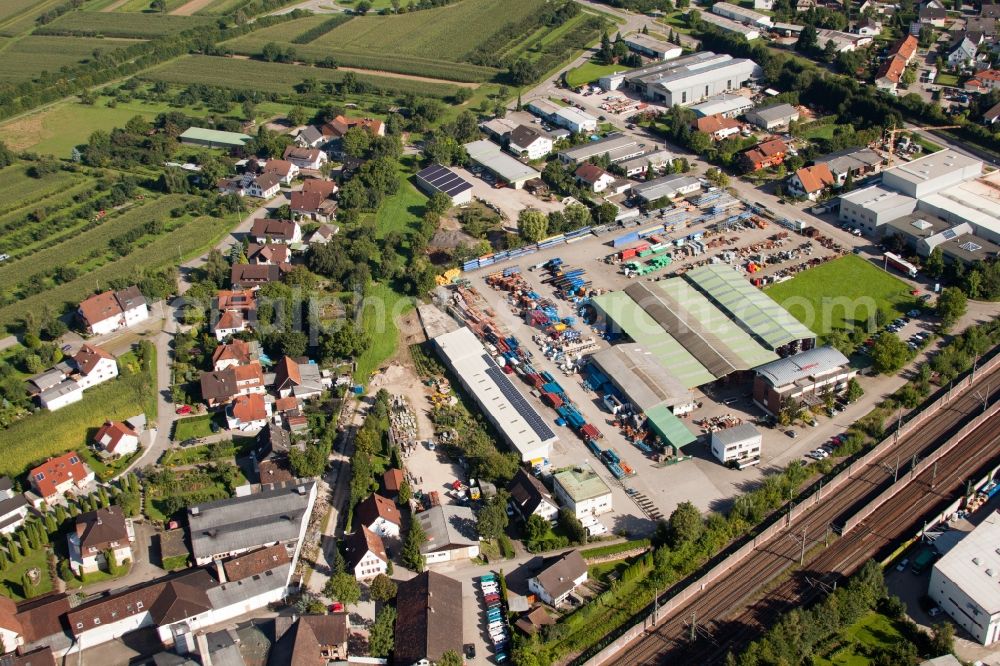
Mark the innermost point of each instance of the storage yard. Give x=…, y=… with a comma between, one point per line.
x=694, y=266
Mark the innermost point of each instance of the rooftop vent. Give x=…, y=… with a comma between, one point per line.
x=975, y=560
x=194, y=511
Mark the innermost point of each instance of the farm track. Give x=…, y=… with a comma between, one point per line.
x=727, y=616
x=114, y=5
x=191, y=7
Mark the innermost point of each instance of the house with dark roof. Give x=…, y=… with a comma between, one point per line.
x=451, y=533
x=263, y=186
x=322, y=234
x=115, y=439
x=310, y=136
x=286, y=171
x=380, y=515
x=392, y=481
x=251, y=276
x=42, y=656
x=60, y=475
x=992, y=114
x=365, y=554
x=220, y=387
x=266, y=230
x=429, y=620
x=315, y=200
x=110, y=311
x=309, y=640
x=13, y=506
x=559, y=577
x=529, y=496
x=528, y=142
x=98, y=533
x=270, y=253
x=35, y=624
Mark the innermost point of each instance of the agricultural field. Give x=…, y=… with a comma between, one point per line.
x=114, y=24
x=281, y=33
x=143, y=5
x=30, y=56
x=277, y=78
x=841, y=294
x=18, y=16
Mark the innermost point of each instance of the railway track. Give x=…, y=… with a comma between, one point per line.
x=726, y=616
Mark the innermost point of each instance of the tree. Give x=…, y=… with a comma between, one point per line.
x=684, y=525
x=536, y=527
x=415, y=538
x=344, y=588
x=356, y=142
x=382, y=588
x=450, y=658
x=532, y=225
x=439, y=203
x=808, y=40
x=158, y=5
x=363, y=7
x=606, y=213
x=492, y=519
x=405, y=493
x=942, y=638
x=572, y=526
x=298, y=116
x=382, y=634
x=854, y=390
x=889, y=354
x=934, y=263
x=951, y=305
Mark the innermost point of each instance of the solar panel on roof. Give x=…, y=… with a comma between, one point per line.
x=948, y=234
x=444, y=180
x=517, y=400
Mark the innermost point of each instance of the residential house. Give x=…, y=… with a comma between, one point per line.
x=242, y=302
x=429, y=619
x=305, y=158
x=116, y=439
x=35, y=624
x=42, y=656
x=393, y=481
x=890, y=74
x=658, y=161
x=270, y=253
x=310, y=136
x=235, y=352
x=93, y=366
x=856, y=162
x=582, y=491
x=933, y=16
x=992, y=115
x=60, y=475
x=309, y=640
x=451, y=533
x=230, y=323
x=380, y=515
x=299, y=378
x=248, y=412
x=767, y=154
x=253, y=563
x=537, y=618
x=594, y=177
x=338, y=127
x=266, y=230
x=905, y=48
x=110, y=311
x=97, y=534
x=366, y=556
x=526, y=141
x=984, y=81
x=220, y=387
x=252, y=276
x=869, y=27
x=812, y=181
x=529, y=496
x=322, y=235
x=315, y=200
x=286, y=171
x=773, y=117
x=13, y=508
x=263, y=186
x=718, y=127
x=230, y=527
x=560, y=576
x=962, y=55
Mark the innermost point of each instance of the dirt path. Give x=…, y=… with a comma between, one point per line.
x=411, y=77
x=114, y=5
x=191, y=7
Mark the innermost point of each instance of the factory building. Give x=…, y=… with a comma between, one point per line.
x=692, y=79
x=804, y=377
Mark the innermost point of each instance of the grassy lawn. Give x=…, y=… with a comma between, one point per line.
x=97, y=577
x=193, y=426
x=872, y=631
x=106, y=470
x=401, y=211
x=677, y=21
x=589, y=72
x=946, y=79
x=226, y=449
x=383, y=306
x=842, y=292
x=818, y=131
x=11, y=579
x=608, y=571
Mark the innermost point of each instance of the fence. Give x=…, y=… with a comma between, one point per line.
x=766, y=534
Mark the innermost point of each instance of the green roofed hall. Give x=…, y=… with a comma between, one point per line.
x=669, y=428
x=753, y=310
x=210, y=138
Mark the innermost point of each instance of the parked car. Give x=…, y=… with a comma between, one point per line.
x=792, y=433
x=470, y=651
x=184, y=409
x=903, y=563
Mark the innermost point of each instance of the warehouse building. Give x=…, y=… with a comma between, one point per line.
x=725, y=105
x=729, y=25
x=739, y=445
x=568, y=117
x=670, y=187
x=742, y=15
x=437, y=178
x=692, y=79
x=773, y=117
x=507, y=169
x=210, y=138
x=922, y=233
x=964, y=582
x=618, y=147
x=652, y=48
x=804, y=377
x=515, y=419
x=582, y=491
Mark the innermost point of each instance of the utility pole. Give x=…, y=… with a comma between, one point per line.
x=895, y=472
x=802, y=557
x=694, y=626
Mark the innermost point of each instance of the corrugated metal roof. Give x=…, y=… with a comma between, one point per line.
x=215, y=136
x=489, y=156
x=670, y=428
x=645, y=382
x=814, y=361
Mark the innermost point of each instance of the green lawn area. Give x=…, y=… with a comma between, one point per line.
x=842, y=291
x=817, y=131
x=58, y=128
x=192, y=426
x=589, y=72
x=97, y=577
x=946, y=79
x=106, y=470
x=225, y=449
x=401, y=210
x=871, y=631
x=379, y=319
x=608, y=571
x=677, y=21
x=11, y=584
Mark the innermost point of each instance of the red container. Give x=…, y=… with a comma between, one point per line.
x=552, y=400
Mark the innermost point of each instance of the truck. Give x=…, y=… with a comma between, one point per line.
x=900, y=264
x=922, y=560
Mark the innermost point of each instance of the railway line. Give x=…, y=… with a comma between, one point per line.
x=725, y=616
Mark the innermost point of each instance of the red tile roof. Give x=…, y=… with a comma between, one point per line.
x=99, y=307
x=88, y=357
x=303, y=154
x=320, y=186
x=111, y=434
x=715, y=123
x=248, y=408
x=255, y=562
x=243, y=300
x=905, y=47
x=237, y=350
x=375, y=507
x=282, y=167
x=286, y=373
x=229, y=320
x=338, y=126
x=393, y=480
x=590, y=173
x=815, y=178
x=288, y=404
x=251, y=373
x=57, y=471
x=892, y=69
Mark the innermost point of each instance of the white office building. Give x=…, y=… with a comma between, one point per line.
x=740, y=445
x=965, y=583
x=582, y=491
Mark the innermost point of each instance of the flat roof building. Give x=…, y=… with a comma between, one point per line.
x=489, y=156
x=727, y=105
x=657, y=159
x=964, y=582
x=694, y=78
x=932, y=173
x=729, y=25
x=669, y=187
x=803, y=377
x=574, y=120
x=742, y=14
x=739, y=445
x=582, y=491
x=210, y=138
x=652, y=47
x=525, y=430
x=618, y=147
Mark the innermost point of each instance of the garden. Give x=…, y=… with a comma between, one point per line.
x=168, y=492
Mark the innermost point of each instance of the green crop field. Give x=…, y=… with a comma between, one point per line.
x=113, y=24
x=217, y=7
x=276, y=78
x=280, y=33
x=143, y=5
x=18, y=189
x=12, y=8
x=840, y=293
x=30, y=56
x=446, y=33
x=18, y=16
